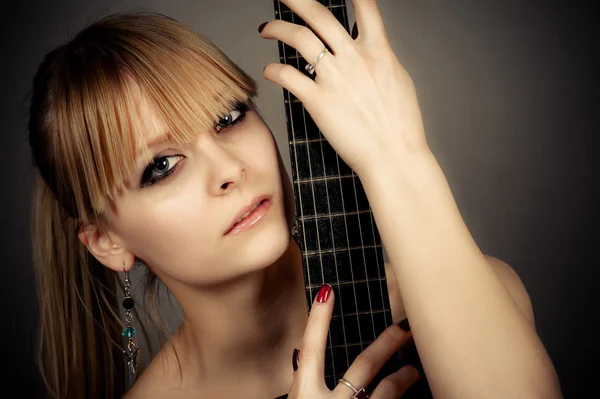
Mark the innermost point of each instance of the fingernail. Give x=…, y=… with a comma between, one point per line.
x=261, y=27
x=295, y=361
x=355, y=31
x=323, y=294
x=404, y=325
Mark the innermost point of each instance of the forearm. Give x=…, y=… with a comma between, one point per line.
x=472, y=338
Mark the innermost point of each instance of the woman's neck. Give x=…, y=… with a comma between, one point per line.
x=248, y=330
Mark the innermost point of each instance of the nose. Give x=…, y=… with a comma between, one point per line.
x=227, y=170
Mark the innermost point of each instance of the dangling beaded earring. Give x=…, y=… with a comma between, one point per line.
x=129, y=332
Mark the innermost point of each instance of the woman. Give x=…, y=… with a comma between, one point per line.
x=149, y=149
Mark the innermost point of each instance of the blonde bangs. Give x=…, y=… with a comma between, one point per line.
x=185, y=78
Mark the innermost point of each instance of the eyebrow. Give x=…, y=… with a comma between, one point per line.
x=155, y=142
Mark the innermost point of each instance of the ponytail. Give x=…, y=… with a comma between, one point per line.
x=79, y=350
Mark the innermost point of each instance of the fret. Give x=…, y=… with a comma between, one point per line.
x=297, y=142
x=353, y=266
x=291, y=57
x=348, y=296
x=364, y=343
x=281, y=8
x=324, y=179
x=330, y=215
x=339, y=249
x=344, y=283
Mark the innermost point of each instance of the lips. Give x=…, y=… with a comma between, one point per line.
x=246, y=210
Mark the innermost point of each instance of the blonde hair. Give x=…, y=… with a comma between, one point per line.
x=84, y=141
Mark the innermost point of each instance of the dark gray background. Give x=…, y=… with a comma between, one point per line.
x=510, y=102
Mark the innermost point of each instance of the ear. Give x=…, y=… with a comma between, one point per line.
x=106, y=248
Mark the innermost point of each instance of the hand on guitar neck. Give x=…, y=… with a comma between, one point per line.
x=362, y=100
x=308, y=361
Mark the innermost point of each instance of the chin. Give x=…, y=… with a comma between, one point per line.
x=264, y=247
x=261, y=246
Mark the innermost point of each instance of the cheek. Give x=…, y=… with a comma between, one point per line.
x=260, y=153
x=167, y=230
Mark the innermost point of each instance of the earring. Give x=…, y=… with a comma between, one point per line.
x=129, y=332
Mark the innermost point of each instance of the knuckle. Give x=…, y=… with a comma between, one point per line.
x=364, y=363
x=301, y=34
x=392, y=334
x=285, y=73
x=388, y=388
x=311, y=351
x=414, y=373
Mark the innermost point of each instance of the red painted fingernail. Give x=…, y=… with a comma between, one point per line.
x=323, y=294
x=355, y=31
x=295, y=361
x=261, y=27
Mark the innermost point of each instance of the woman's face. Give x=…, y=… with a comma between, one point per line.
x=174, y=213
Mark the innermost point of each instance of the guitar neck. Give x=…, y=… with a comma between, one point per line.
x=336, y=231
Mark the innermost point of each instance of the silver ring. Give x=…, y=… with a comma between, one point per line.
x=311, y=67
x=357, y=393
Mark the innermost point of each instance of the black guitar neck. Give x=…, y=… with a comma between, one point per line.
x=338, y=237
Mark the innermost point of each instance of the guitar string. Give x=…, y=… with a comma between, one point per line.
x=291, y=116
x=312, y=189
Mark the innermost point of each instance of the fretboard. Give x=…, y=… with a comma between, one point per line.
x=337, y=234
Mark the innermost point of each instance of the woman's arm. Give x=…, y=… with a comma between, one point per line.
x=473, y=339
x=505, y=273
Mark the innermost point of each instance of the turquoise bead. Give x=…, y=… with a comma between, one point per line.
x=129, y=332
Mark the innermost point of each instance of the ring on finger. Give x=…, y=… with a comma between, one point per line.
x=311, y=67
x=357, y=393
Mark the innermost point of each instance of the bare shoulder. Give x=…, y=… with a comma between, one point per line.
x=155, y=381
x=504, y=271
x=146, y=386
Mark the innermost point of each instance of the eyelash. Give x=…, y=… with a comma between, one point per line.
x=147, y=180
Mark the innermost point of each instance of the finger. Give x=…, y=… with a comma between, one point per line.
x=299, y=37
x=291, y=79
x=370, y=361
x=396, y=384
x=368, y=19
x=323, y=22
x=312, y=354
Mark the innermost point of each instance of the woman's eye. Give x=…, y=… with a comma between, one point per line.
x=237, y=115
x=229, y=118
x=159, y=169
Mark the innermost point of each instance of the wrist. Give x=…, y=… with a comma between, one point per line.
x=407, y=171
